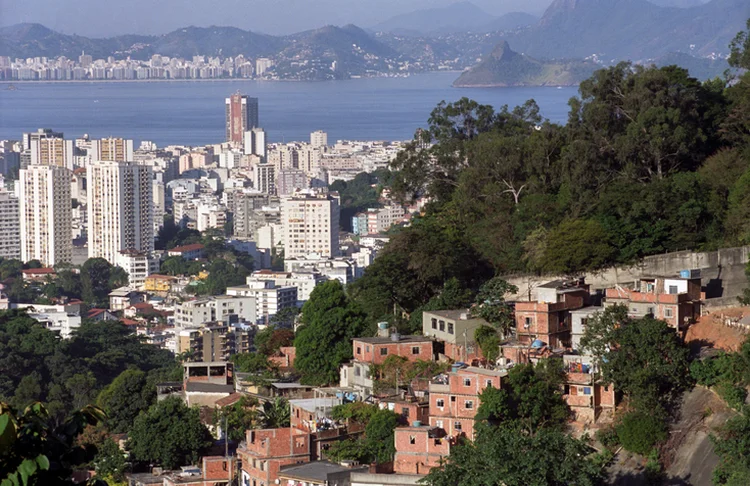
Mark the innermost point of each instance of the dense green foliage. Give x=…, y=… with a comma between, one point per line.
x=126, y=397
x=732, y=445
x=359, y=194
x=36, y=365
x=651, y=160
x=235, y=419
x=275, y=414
x=36, y=452
x=170, y=434
x=639, y=432
x=329, y=322
x=377, y=445
x=509, y=456
x=110, y=461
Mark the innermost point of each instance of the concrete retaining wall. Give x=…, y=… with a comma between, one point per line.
x=722, y=272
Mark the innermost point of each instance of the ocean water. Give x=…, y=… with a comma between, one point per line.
x=192, y=113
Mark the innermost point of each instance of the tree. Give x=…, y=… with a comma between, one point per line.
x=379, y=436
x=235, y=419
x=270, y=340
x=110, y=461
x=577, y=246
x=170, y=434
x=253, y=363
x=323, y=342
x=491, y=305
x=639, y=432
x=740, y=49
x=509, y=456
x=489, y=342
x=275, y=413
x=96, y=280
x=125, y=398
x=34, y=452
x=732, y=446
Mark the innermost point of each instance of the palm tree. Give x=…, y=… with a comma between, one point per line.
x=275, y=414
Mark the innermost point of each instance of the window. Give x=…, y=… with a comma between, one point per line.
x=383, y=351
x=440, y=403
x=469, y=404
x=415, y=350
x=367, y=349
x=527, y=323
x=405, y=412
x=439, y=424
x=359, y=349
x=356, y=371
x=672, y=289
x=606, y=388
x=467, y=381
x=442, y=326
x=450, y=328
x=587, y=390
x=453, y=399
x=488, y=383
x=457, y=425
x=412, y=439
x=650, y=310
x=434, y=323
x=668, y=312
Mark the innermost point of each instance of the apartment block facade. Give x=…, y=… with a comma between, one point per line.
x=310, y=224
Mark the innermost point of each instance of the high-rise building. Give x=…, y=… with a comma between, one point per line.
x=45, y=208
x=45, y=147
x=310, y=224
x=10, y=226
x=255, y=142
x=289, y=180
x=120, y=208
x=319, y=139
x=115, y=149
x=241, y=116
x=265, y=178
x=41, y=133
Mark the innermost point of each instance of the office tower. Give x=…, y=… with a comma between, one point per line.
x=255, y=142
x=265, y=178
x=120, y=208
x=115, y=149
x=10, y=226
x=319, y=139
x=310, y=224
x=45, y=209
x=290, y=180
x=241, y=116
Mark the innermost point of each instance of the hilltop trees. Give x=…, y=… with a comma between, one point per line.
x=329, y=322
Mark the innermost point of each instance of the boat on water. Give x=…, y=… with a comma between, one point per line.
x=11, y=88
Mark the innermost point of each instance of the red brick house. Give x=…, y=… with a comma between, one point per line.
x=419, y=448
x=376, y=350
x=215, y=471
x=265, y=451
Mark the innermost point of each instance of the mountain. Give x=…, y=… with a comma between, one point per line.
x=631, y=29
x=699, y=67
x=678, y=3
x=505, y=67
x=509, y=21
x=212, y=41
x=457, y=17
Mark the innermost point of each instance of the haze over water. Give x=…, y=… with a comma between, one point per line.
x=192, y=113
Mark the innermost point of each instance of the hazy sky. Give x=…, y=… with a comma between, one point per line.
x=100, y=18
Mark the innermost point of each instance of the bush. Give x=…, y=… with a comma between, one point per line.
x=608, y=437
x=734, y=395
x=640, y=432
x=704, y=372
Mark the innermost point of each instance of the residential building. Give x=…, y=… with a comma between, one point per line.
x=10, y=226
x=255, y=142
x=63, y=318
x=313, y=414
x=124, y=297
x=248, y=213
x=159, y=283
x=265, y=451
x=214, y=471
x=579, y=319
x=221, y=308
x=265, y=178
x=375, y=350
x=138, y=265
x=206, y=382
x=40, y=275
x=675, y=300
x=304, y=281
x=269, y=299
x=213, y=342
x=318, y=473
x=46, y=147
x=419, y=448
x=193, y=251
x=241, y=116
x=319, y=139
x=46, y=220
x=112, y=149
x=455, y=330
x=310, y=224
x=548, y=319
x=290, y=180
x=120, y=209
x=454, y=398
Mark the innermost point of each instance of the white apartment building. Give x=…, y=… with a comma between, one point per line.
x=265, y=178
x=120, y=209
x=310, y=224
x=45, y=208
x=112, y=149
x=269, y=299
x=10, y=226
x=304, y=281
x=138, y=265
x=319, y=139
x=210, y=216
x=52, y=151
x=57, y=318
x=194, y=313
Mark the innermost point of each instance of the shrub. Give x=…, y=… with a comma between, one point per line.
x=732, y=394
x=608, y=437
x=640, y=432
x=704, y=372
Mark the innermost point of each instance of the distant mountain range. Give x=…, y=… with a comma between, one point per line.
x=458, y=17
x=504, y=67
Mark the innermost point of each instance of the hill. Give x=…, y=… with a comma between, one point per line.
x=505, y=67
x=631, y=29
x=457, y=17
x=509, y=21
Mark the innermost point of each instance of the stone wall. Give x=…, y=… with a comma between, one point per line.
x=722, y=273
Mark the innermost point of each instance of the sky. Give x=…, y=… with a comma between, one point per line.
x=104, y=18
